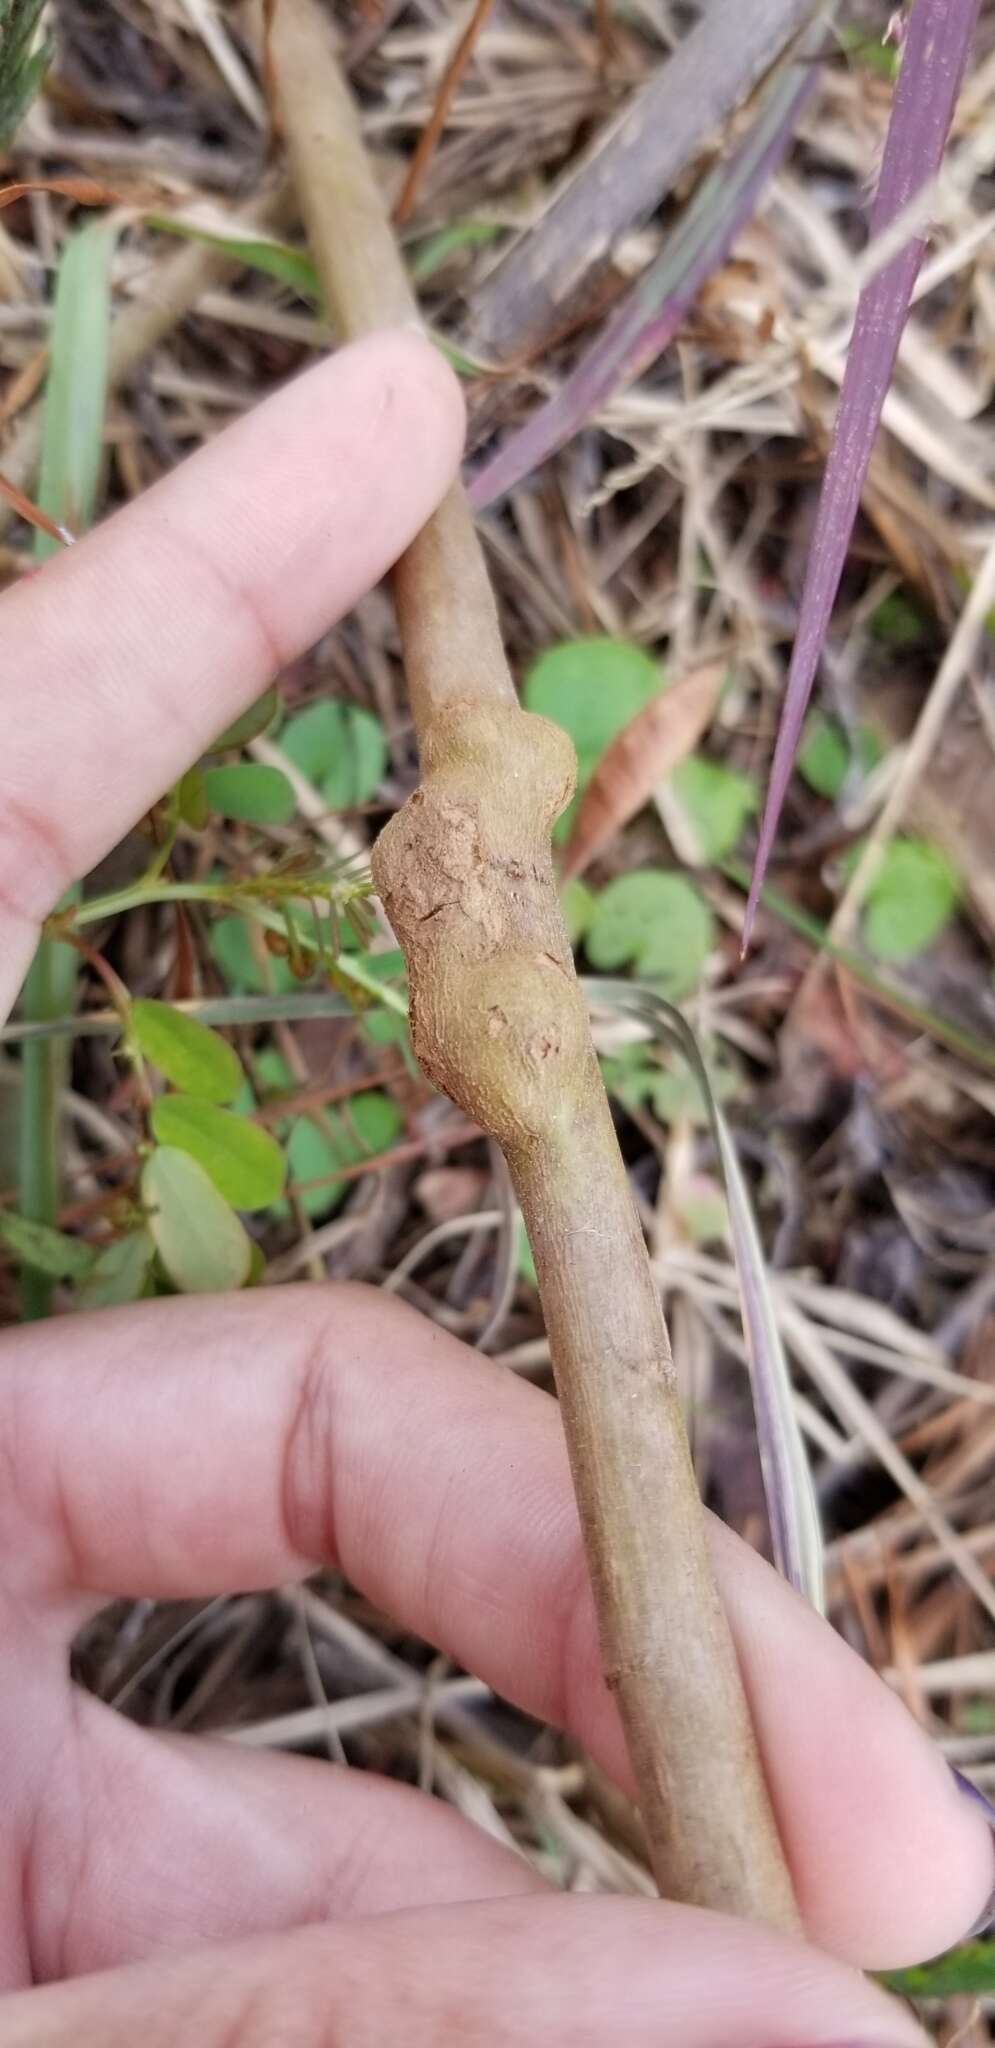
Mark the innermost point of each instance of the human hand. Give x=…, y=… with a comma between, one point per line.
x=192, y=1447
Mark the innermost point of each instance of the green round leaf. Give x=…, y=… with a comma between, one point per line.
x=191, y=799
x=241, y=969
x=250, y=791
x=824, y=755
x=592, y=688
x=717, y=800
x=339, y=747
x=897, y=621
x=119, y=1273
x=658, y=922
x=912, y=897
x=189, y=1054
x=345, y=1137
x=199, y=1239
x=244, y=1162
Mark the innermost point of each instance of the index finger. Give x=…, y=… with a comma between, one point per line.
x=131, y=652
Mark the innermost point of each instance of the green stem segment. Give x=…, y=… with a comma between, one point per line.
x=499, y=1023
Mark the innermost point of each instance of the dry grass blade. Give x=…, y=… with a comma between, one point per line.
x=429, y=139
x=26, y=509
x=837, y=1386
x=83, y=191
x=934, y=59
x=648, y=748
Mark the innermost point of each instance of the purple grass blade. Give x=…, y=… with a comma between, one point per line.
x=937, y=43
x=655, y=308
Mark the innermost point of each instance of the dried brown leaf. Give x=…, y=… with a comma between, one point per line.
x=85, y=192
x=647, y=749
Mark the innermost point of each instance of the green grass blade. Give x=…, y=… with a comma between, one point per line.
x=48, y=992
x=76, y=387
x=290, y=266
x=72, y=438
x=23, y=61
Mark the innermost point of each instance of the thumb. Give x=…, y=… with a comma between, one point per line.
x=571, y=1973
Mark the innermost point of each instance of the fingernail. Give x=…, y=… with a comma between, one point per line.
x=986, y=1917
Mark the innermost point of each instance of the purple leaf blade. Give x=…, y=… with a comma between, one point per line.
x=655, y=308
x=937, y=43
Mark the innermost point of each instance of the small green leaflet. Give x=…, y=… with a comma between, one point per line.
x=244, y=1162
x=341, y=748
x=76, y=388
x=898, y=621
x=638, y=1075
x=191, y=799
x=825, y=757
x=44, y=1249
x=250, y=791
x=717, y=802
x=190, y=1055
x=317, y=1149
x=199, y=1239
x=290, y=266
x=592, y=688
x=252, y=722
x=244, y=969
x=119, y=1273
x=658, y=922
x=913, y=895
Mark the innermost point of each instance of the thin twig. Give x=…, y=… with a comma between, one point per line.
x=428, y=140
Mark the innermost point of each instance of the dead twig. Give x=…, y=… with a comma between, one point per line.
x=428, y=141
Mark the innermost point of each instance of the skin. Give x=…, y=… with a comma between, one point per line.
x=174, y=1889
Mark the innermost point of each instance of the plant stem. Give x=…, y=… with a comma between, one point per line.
x=119, y=900
x=499, y=1023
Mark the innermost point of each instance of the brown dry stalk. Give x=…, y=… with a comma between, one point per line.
x=499, y=1023
x=428, y=141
